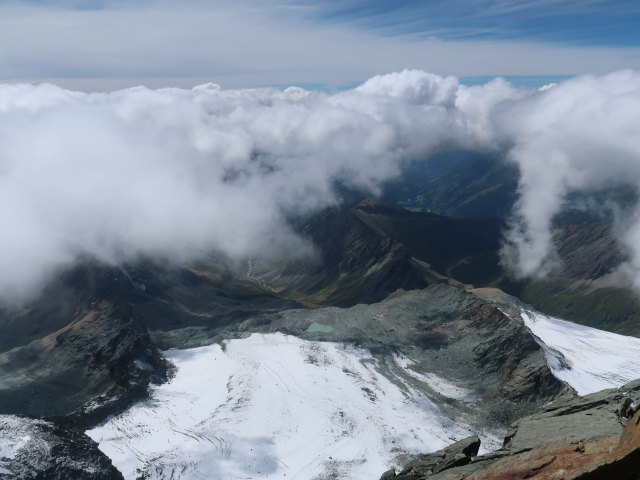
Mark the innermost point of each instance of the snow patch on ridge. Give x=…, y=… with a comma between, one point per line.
x=586, y=358
x=441, y=385
x=275, y=406
x=17, y=438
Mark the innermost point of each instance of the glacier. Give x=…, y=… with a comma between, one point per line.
x=276, y=406
x=586, y=358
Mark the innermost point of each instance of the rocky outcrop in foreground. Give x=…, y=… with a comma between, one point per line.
x=97, y=364
x=32, y=449
x=595, y=437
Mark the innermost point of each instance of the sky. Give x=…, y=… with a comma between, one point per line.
x=100, y=45
x=97, y=161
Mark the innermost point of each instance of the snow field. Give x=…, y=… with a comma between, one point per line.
x=274, y=406
x=586, y=358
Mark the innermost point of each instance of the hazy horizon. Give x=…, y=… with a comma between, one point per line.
x=106, y=45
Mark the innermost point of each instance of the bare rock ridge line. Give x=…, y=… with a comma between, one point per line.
x=104, y=351
x=595, y=437
x=370, y=249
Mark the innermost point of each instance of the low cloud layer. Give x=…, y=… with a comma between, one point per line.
x=174, y=173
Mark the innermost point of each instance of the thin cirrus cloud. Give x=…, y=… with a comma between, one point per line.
x=106, y=45
x=174, y=173
x=583, y=22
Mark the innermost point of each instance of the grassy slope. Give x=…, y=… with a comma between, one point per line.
x=460, y=185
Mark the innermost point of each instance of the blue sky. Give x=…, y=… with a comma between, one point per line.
x=579, y=22
x=107, y=44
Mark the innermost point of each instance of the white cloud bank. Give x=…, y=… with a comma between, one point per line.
x=174, y=173
x=581, y=135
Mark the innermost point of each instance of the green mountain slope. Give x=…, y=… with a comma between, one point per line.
x=459, y=184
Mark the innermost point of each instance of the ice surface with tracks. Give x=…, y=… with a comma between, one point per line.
x=586, y=358
x=274, y=406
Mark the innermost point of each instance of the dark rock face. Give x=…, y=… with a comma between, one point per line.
x=356, y=265
x=38, y=450
x=372, y=249
x=440, y=241
x=103, y=351
x=595, y=437
x=181, y=306
x=460, y=453
x=588, y=251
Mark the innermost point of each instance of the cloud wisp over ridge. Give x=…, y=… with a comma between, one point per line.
x=173, y=173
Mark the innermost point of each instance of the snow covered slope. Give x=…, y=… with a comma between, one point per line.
x=33, y=448
x=276, y=406
x=586, y=358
